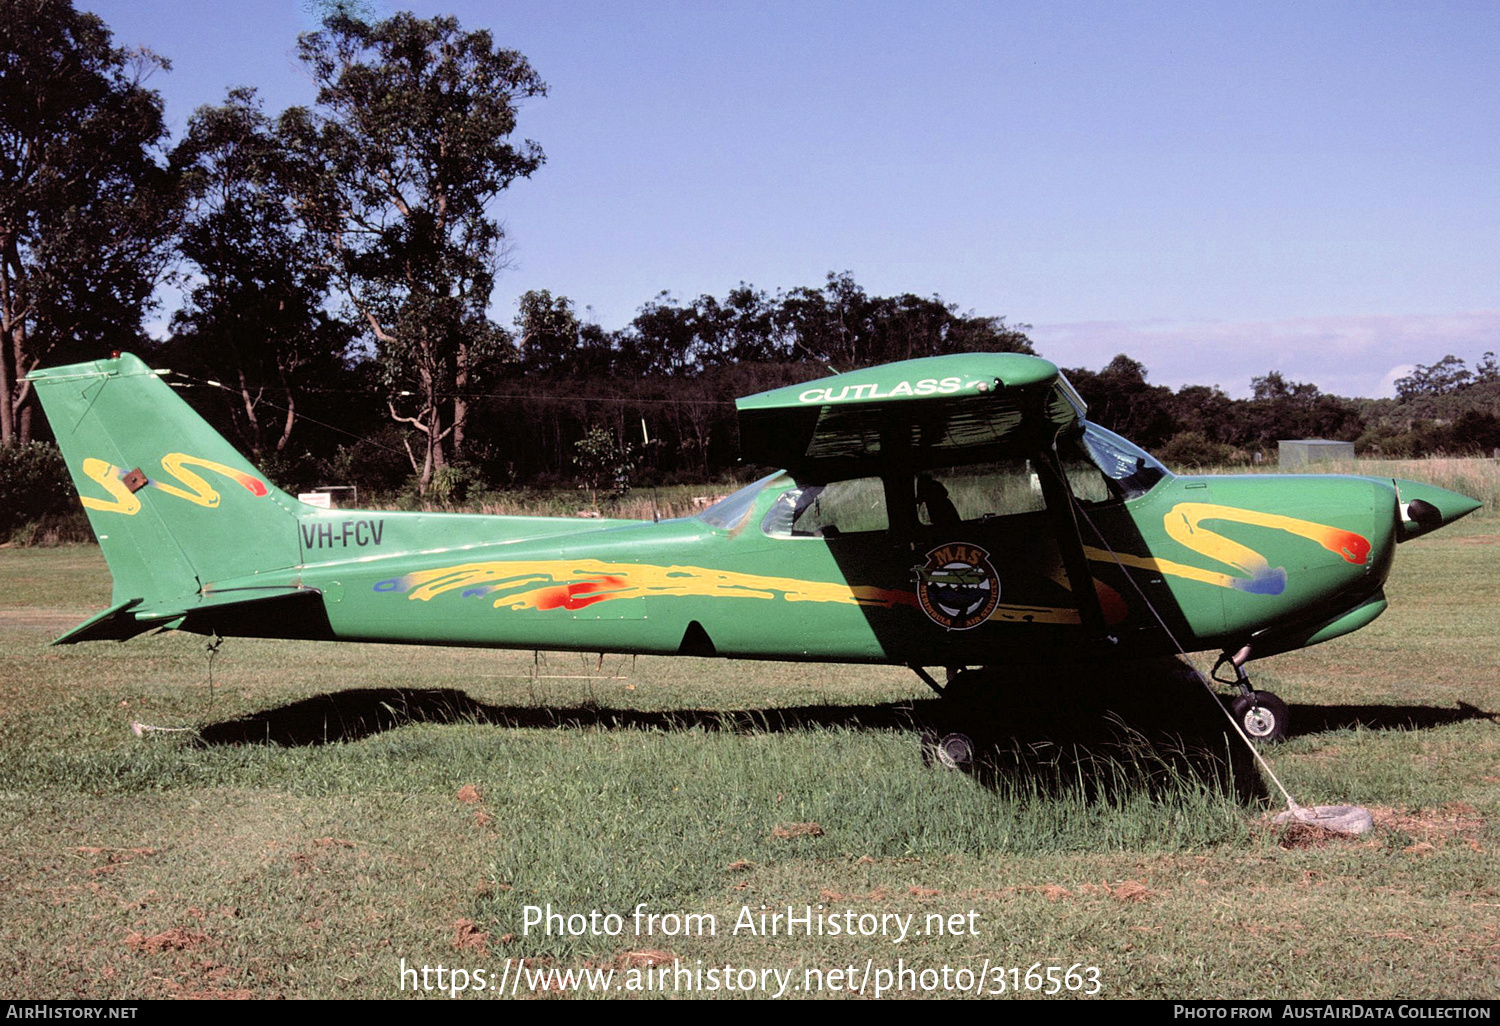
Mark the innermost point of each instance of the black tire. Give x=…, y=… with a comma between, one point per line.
x=958, y=732
x=954, y=751
x=1261, y=715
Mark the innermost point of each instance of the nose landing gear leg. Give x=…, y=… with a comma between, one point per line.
x=1260, y=714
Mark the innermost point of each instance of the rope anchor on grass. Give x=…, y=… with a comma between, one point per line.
x=140, y=729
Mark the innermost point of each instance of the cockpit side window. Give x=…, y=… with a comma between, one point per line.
x=949, y=496
x=853, y=506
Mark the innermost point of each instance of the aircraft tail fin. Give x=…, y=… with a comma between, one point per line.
x=175, y=508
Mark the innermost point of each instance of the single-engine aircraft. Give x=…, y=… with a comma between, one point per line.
x=954, y=512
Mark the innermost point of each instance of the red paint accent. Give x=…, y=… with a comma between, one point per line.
x=579, y=595
x=1354, y=548
x=1111, y=602
x=551, y=598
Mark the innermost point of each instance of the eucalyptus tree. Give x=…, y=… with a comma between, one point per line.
x=254, y=316
x=86, y=202
x=402, y=159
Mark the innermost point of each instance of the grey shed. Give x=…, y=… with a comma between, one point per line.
x=1299, y=452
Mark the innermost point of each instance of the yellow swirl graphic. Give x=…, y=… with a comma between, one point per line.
x=549, y=584
x=198, y=491
x=1184, y=524
x=108, y=475
x=175, y=463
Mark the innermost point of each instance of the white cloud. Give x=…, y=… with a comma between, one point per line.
x=1388, y=383
x=1356, y=355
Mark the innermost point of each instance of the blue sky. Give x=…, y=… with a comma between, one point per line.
x=1218, y=189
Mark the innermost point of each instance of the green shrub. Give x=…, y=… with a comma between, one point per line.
x=1193, y=449
x=34, y=484
x=71, y=528
x=454, y=483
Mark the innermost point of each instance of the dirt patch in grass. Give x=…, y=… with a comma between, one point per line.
x=1130, y=891
x=210, y=981
x=331, y=842
x=1126, y=891
x=116, y=856
x=467, y=935
x=644, y=959
x=1308, y=835
x=1432, y=826
x=179, y=938
x=789, y=830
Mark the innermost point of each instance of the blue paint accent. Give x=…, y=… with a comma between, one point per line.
x=389, y=585
x=1272, y=582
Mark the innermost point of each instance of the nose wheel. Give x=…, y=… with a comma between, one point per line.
x=1260, y=714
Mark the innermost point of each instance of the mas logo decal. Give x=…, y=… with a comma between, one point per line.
x=957, y=587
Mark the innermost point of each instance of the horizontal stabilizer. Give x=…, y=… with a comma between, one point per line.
x=279, y=612
x=114, y=624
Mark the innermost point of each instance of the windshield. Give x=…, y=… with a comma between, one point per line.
x=1130, y=469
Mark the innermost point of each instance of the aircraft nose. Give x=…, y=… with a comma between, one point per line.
x=1425, y=508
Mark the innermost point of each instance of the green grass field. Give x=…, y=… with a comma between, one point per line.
x=342, y=810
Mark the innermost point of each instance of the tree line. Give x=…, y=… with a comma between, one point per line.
x=335, y=265
x=1443, y=408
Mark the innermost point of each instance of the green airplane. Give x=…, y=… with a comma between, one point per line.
x=954, y=512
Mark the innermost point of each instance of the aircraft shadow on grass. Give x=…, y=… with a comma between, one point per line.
x=1112, y=730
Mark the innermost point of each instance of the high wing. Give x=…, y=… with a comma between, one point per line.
x=953, y=409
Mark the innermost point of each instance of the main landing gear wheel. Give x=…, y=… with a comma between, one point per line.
x=950, y=751
x=1261, y=715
